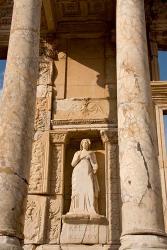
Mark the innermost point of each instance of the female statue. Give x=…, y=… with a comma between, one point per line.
x=85, y=187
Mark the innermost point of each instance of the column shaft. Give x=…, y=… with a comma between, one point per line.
x=17, y=115
x=140, y=182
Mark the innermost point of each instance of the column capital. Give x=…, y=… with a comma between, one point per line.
x=110, y=136
x=58, y=137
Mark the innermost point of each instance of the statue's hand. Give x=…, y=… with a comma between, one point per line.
x=94, y=171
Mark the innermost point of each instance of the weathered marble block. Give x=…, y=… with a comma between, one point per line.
x=84, y=230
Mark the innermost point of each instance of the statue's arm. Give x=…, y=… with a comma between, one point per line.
x=75, y=159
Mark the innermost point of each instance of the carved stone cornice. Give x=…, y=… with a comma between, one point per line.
x=80, y=122
x=159, y=91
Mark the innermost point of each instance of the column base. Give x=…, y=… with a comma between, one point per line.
x=9, y=243
x=143, y=242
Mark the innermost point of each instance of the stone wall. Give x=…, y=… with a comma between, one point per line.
x=76, y=98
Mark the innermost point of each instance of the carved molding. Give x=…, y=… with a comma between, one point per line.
x=159, y=92
x=79, y=121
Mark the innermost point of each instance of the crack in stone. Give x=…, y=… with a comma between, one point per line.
x=145, y=164
x=142, y=197
x=24, y=179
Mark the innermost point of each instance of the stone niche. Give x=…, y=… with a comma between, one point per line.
x=84, y=229
x=97, y=146
x=50, y=202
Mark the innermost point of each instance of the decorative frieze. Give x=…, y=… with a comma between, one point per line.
x=84, y=109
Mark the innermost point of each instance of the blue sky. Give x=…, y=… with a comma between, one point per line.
x=2, y=68
x=162, y=59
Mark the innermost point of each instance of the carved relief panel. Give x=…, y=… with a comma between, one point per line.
x=44, y=97
x=35, y=219
x=40, y=165
x=53, y=227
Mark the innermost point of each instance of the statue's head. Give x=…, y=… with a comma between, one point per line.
x=85, y=144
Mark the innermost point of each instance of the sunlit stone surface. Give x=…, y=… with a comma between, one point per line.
x=138, y=158
x=83, y=93
x=16, y=119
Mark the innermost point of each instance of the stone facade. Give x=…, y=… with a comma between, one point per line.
x=93, y=82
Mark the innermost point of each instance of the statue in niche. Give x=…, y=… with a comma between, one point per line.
x=85, y=187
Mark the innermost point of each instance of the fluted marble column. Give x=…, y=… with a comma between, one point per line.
x=142, y=214
x=16, y=119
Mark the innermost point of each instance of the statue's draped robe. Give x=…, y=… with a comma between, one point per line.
x=85, y=188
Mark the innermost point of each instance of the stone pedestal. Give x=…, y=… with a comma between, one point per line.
x=142, y=212
x=17, y=118
x=84, y=229
x=76, y=247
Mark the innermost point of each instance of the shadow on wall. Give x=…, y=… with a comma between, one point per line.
x=85, y=69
